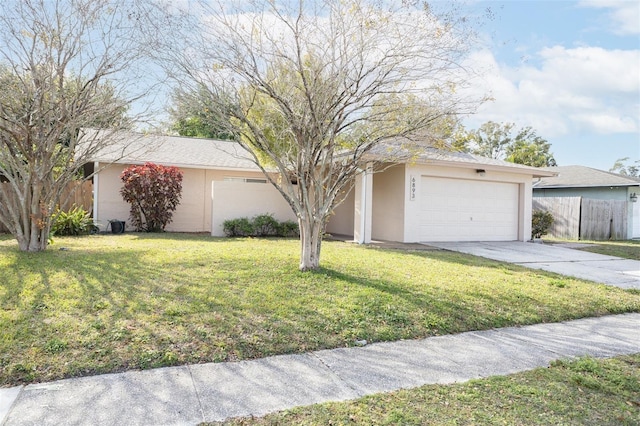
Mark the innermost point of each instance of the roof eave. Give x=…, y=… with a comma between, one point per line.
x=531, y=171
x=181, y=166
x=617, y=185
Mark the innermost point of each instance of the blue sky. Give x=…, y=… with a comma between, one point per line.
x=570, y=70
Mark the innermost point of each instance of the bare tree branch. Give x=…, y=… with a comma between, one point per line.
x=316, y=85
x=65, y=65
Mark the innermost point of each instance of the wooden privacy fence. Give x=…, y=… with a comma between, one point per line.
x=75, y=194
x=578, y=218
x=79, y=194
x=603, y=219
x=566, y=215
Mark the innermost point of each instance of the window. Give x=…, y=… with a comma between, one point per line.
x=244, y=179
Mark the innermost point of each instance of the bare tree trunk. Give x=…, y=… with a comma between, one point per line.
x=31, y=228
x=59, y=80
x=34, y=238
x=310, y=243
x=316, y=90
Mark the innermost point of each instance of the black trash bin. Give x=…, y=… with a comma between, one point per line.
x=117, y=226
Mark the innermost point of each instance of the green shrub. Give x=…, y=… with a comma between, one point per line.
x=74, y=222
x=237, y=227
x=289, y=228
x=154, y=193
x=264, y=225
x=540, y=223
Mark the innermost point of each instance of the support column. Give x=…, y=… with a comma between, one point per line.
x=95, y=208
x=363, y=206
x=525, y=204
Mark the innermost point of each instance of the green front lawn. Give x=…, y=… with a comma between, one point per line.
x=586, y=391
x=628, y=249
x=109, y=303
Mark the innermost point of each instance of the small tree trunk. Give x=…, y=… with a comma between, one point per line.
x=23, y=242
x=34, y=237
x=310, y=242
x=26, y=218
x=37, y=225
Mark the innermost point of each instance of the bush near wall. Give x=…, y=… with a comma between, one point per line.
x=541, y=221
x=76, y=221
x=260, y=226
x=154, y=193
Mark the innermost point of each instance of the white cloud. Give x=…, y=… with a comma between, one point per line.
x=606, y=122
x=592, y=69
x=624, y=14
x=585, y=89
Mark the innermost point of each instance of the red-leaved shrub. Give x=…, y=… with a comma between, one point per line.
x=154, y=193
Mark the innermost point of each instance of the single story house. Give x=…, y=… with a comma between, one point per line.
x=241, y=189
x=434, y=196
x=594, y=184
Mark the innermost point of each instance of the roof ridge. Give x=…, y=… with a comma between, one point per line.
x=618, y=175
x=130, y=147
x=585, y=176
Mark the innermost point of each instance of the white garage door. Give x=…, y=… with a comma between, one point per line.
x=468, y=210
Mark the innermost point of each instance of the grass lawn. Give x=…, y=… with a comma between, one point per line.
x=628, y=249
x=585, y=391
x=109, y=303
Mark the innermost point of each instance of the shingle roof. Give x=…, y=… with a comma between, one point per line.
x=583, y=177
x=420, y=154
x=137, y=148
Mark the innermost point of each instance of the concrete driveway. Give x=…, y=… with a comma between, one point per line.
x=610, y=270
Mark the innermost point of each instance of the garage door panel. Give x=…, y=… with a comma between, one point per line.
x=468, y=210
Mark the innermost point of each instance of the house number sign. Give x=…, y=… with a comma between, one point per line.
x=412, y=188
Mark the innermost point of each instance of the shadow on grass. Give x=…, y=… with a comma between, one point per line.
x=516, y=295
x=79, y=303
x=148, y=300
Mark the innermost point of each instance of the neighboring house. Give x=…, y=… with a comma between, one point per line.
x=434, y=196
x=593, y=184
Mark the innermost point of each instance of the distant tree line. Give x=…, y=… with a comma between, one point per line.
x=501, y=141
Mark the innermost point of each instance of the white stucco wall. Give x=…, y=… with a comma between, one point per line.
x=193, y=214
x=395, y=214
x=234, y=200
x=387, y=222
x=108, y=203
x=341, y=221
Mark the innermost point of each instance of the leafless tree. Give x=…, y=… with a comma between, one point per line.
x=312, y=89
x=65, y=65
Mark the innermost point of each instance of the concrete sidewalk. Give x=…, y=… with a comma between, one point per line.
x=624, y=273
x=188, y=395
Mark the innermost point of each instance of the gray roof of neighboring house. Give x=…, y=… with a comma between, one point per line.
x=138, y=148
x=583, y=177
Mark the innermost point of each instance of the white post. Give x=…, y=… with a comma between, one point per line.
x=363, y=207
x=96, y=177
x=525, y=205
